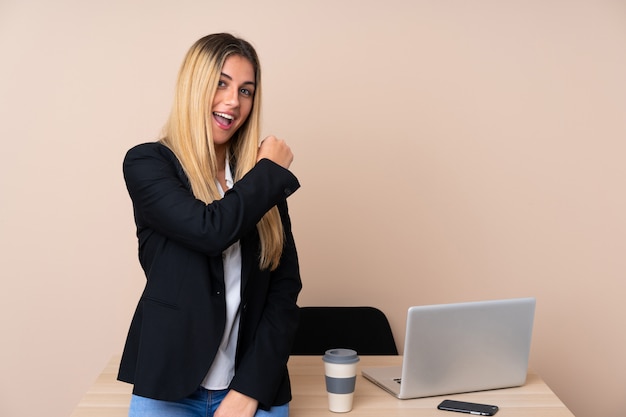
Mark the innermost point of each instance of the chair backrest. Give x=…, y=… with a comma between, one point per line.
x=364, y=329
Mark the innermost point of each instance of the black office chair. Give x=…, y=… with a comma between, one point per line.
x=364, y=329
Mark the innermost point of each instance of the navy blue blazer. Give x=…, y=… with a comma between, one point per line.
x=179, y=321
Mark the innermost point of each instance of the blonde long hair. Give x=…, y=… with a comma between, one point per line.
x=188, y=131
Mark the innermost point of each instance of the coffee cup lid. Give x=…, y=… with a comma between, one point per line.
x=340, y=355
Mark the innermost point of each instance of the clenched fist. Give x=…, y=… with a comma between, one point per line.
x=276, y=150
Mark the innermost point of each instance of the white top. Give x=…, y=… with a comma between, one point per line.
x=223, y=368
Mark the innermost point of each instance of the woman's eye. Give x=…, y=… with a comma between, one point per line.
x=246, y=92
x=221, y=83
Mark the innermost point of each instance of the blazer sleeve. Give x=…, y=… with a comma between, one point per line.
x=163, y=201
x=262, y=366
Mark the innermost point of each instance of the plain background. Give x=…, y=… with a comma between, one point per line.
x=448, y=151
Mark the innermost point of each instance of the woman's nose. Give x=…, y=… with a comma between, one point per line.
x=232, y=97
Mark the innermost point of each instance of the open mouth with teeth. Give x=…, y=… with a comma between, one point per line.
x=223, y=120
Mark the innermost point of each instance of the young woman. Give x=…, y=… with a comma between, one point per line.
x=213, y=329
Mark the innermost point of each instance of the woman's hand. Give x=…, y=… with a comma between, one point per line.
x=236, y=404
x=276, y=150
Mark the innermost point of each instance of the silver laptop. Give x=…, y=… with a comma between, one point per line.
x=454, y=348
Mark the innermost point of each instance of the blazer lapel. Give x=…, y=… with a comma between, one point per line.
x=249, y=245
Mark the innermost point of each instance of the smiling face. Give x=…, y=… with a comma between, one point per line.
x=233, y=99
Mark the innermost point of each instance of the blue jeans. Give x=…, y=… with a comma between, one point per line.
x=201, y=403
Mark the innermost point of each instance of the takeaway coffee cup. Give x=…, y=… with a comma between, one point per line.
x=340, y=372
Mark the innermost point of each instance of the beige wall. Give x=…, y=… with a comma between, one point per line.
x=448, y=151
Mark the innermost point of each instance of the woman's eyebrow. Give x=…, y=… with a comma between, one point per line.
x=231, y=78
